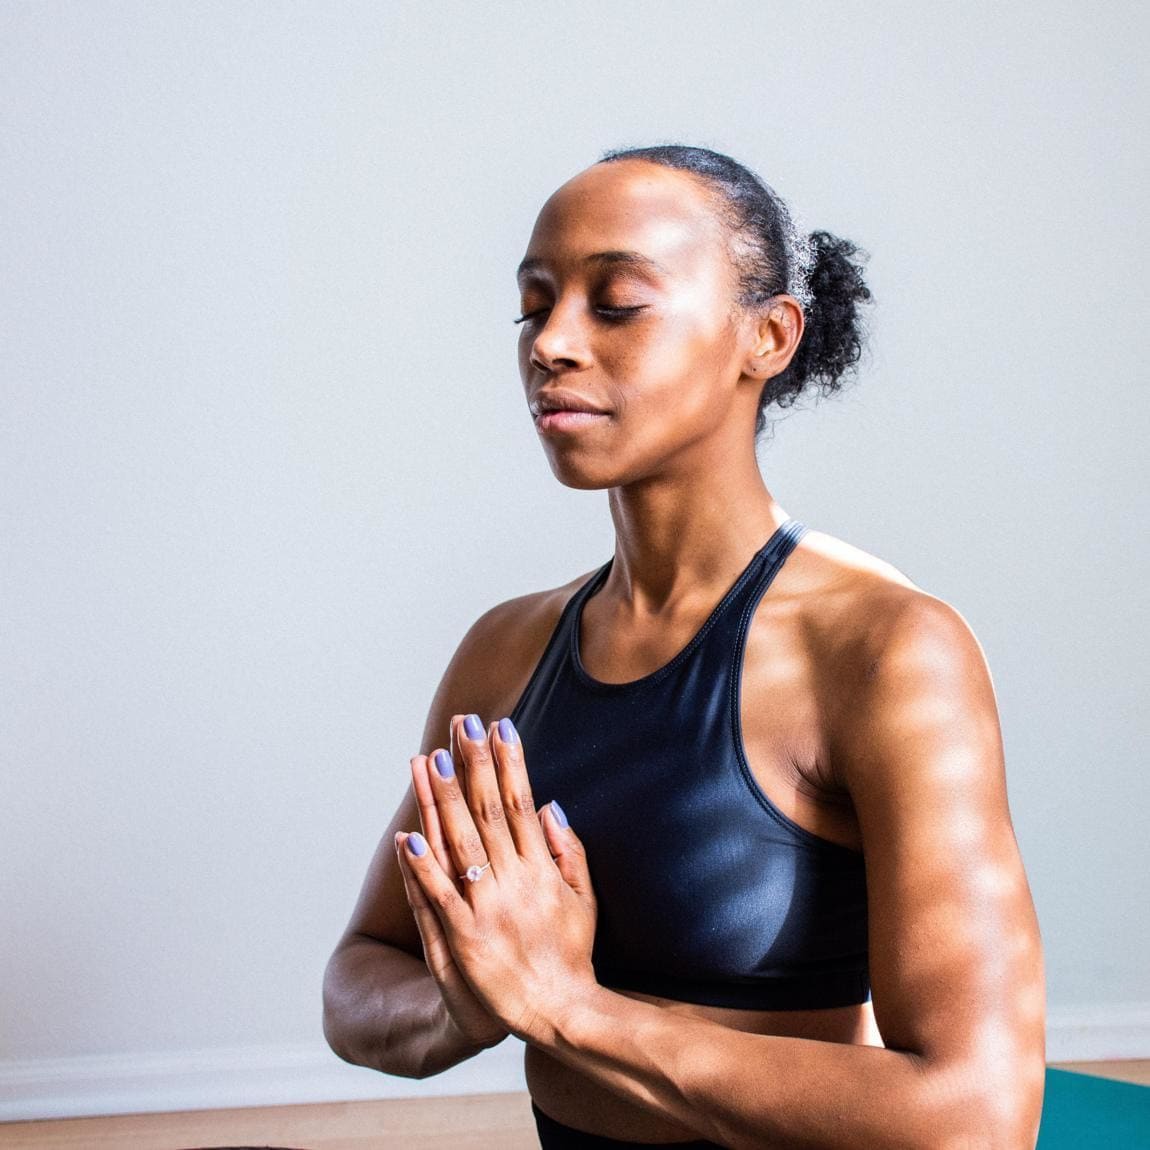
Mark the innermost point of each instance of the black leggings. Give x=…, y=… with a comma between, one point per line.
x=556, y=1136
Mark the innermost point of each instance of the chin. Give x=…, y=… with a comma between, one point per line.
x=584, y=475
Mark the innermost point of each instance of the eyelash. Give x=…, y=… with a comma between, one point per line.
x=611, y=314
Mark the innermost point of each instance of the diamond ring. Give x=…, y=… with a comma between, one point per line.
x=475, y=873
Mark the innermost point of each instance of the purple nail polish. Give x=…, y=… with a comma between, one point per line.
x=444, y=764
x=507, y=731
x=416, y=843
x=472, y=727
x=558, y=812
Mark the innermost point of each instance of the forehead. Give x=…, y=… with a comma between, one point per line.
x=628, y=206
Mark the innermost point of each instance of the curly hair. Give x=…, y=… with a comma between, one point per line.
x=823, y=272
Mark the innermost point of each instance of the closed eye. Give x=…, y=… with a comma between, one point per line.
x=620, y=314
x=611, y=314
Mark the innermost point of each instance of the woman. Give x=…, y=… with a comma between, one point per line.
x=776, y=899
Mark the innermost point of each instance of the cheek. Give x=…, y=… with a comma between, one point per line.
x=698, y=328
x=689, y=381
x=674, y=361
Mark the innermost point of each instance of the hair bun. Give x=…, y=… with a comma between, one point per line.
x=834, y=333
x=821, y=271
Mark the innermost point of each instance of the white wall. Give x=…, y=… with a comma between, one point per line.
x=259, y=385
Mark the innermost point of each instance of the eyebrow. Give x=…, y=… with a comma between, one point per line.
x=628, y=259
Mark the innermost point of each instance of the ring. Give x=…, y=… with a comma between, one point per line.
x=475, y=873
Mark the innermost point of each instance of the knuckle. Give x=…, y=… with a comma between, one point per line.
x=521, y=803
x=478, y=758
x=450, y=790
x=490, y=809
x=470, y=845
x=445, y=899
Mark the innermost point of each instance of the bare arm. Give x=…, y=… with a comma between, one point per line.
x=382, y=1007
x=955, y=952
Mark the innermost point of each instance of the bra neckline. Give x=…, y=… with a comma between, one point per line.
x=597, y=580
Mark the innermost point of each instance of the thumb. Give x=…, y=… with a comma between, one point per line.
x=567, y=848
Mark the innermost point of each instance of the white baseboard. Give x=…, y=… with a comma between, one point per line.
x=1098, y=1033
x=226, y=1078
x=286, y=1075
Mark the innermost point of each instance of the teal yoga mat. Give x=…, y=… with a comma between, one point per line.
x=1080, y=1112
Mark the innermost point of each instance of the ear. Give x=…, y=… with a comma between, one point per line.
x=775, y=333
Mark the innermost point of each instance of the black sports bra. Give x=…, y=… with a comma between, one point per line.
x=706, y=891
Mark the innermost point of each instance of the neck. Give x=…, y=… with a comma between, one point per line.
x=686, y=535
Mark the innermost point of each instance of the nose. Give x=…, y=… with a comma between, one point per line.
x=560, y=342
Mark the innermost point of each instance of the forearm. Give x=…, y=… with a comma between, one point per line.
x=382, y=1009
x=743, y=1089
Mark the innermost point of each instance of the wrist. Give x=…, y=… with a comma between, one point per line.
x=570, y=1019
x=467, y=1042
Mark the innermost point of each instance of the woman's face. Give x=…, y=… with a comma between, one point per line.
x=628, y=294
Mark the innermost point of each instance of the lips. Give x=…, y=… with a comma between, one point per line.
x=550, y=401
x=567, y=421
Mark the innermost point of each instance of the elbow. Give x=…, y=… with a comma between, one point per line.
x=336, y=1041
x=998, y=1123
x=360, y=1031
x=342, y=1022
x=1008, y=1117
x=335, y=1032
x=347, y=1041
x=334, y=1018
x=965, y=1109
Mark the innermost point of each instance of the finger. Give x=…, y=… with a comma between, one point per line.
x=448, y=905
x=453, y=747
x=436, y=951
x=515, y=791
x=567, y=847
x=483, y=798
x=429, y=813
x=465, y=845
x=415, y=896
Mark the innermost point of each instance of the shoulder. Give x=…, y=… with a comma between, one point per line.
x=519, y=628
x=890, y=650
x=914, y=737
x=871, y=617
x=496, y=655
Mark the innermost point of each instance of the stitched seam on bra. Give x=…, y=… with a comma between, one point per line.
x=778, y=537
x=734, y=691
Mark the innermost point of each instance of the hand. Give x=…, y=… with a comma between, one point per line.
x=471, y=1018
x=521, y=936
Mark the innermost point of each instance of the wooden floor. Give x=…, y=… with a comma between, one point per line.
x=472, y=1122
x=468, y=1122
x=1133, y=1071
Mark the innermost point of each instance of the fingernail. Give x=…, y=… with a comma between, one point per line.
x=444, y=764
x=507, y=731
x=560, y=816
x=473, y=727
x=416, y=843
